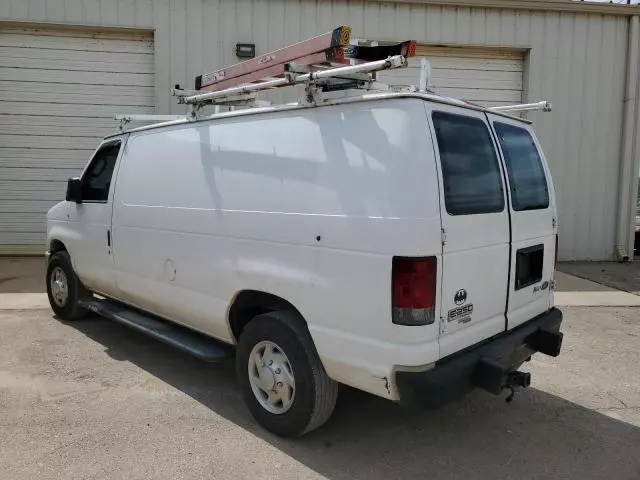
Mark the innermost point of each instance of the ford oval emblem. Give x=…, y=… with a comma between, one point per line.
x=460, y=297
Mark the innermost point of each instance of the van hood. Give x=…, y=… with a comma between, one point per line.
x=58, y=211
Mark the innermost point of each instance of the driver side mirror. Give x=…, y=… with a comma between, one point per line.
x=74, y=190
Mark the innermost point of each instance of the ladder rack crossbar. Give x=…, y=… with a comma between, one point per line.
x=545, y=106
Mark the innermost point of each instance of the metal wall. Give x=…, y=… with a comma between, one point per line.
x=576, y=60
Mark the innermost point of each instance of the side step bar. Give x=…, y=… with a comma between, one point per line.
x=191, y=342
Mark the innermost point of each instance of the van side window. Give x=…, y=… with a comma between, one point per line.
x=97, y=178
x=470, y=168
x=529, y=190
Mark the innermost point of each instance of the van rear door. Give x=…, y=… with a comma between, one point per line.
x=475, y=223
x=533, y=220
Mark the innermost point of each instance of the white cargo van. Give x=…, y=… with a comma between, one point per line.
x=399, y=243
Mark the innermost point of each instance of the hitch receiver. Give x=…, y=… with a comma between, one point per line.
x=518, y=379
x=493, y=377
x=545, y=342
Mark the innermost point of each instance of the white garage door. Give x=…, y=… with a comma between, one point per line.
x=487, y=76
x=59, y=91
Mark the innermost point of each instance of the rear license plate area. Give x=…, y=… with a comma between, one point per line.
x=529, y=264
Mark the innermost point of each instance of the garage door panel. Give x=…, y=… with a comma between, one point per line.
x=469, y=63
x=90, y=130
x=44, y=122
x=495, y=53
x=55, y=131
x=483, y=65
x=14, y=237
x=515, y=78
x=14, y=157
x=482, y=95
x=33, y=226
x=140, y=59
x=74, y=65
x=36, y=189
x=27, y=219
x=73, y=110
x=410, y=76
x=21, y=207
x=62, y=89
x=92, y=78
x=50, y=41
x=52, y=142
x=95, y=98
x=43, y=160
x=488, y=76
x=22, y=174
x=128, y=36
x=479, y=85
x=70, y=85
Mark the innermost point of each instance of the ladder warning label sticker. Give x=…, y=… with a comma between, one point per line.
x=213, y=77
x=266, y=59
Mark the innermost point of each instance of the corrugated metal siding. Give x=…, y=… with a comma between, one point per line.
x=575, y=60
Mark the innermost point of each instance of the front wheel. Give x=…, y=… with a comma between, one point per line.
x=282, y=379
x=64, y=288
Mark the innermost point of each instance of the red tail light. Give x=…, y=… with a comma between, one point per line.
x=414, y=282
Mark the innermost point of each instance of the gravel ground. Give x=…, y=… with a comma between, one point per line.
x=94, y=400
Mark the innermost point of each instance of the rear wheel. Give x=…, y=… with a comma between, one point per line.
x=282, y=379
x=64, y=289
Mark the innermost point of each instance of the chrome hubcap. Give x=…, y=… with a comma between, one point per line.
x=271, y=377
x=59, y=287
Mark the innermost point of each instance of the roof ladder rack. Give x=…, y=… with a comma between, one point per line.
x=312, y=79
x=325, y=63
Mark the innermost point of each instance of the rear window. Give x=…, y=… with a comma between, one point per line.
x=470, y=169
x=527, y=180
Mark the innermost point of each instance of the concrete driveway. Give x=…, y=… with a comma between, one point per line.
x=94, y=400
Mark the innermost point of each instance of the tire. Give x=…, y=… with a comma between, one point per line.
x=69, y=308
x=315, y=394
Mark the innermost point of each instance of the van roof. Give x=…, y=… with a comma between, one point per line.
x=294, y=106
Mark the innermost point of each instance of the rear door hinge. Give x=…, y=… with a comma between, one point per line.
x=443, y=236
x=443, y=325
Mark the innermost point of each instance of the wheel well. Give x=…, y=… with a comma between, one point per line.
x=57, y=246
x=250, y=303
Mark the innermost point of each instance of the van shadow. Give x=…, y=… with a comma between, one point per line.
x=539, y=435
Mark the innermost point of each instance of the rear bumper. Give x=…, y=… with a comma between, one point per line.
x=485, y=365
